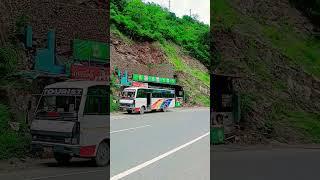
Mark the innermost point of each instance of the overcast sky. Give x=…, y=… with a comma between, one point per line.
x=182, y=7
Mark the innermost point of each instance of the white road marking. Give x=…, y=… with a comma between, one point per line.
x=147, y=163
x=119, y=117
x=190, y=109
x=139, y=127
x=69, y=174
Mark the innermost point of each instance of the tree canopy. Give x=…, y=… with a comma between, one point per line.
x=151, y=22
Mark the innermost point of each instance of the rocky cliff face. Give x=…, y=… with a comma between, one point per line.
x=139, y=57
x=86, y=19
x=273, y=85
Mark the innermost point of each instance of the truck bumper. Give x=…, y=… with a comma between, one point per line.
x=72, y=150
x=125, y=108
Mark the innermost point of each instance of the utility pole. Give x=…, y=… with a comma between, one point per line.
x=169, y=5
x=190, y=12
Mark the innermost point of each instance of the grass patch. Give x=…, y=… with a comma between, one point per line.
x=8, y=60
x=302, y=51
x=307, y=123
x=204, y=100
x=114, y=30
x=223, y=15
x=114, y=104
x=179, y=65
x=12, y=144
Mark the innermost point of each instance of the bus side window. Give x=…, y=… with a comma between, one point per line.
x=141, y=93
x=157, y=95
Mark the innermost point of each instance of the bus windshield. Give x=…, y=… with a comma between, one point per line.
x=128, y=94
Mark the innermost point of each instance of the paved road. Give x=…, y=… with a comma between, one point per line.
x=171, y=145
x=47, y=169
x=265, y=164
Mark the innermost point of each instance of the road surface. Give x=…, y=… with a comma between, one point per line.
x=48, y=170
x=170, y=145
x=265, y=164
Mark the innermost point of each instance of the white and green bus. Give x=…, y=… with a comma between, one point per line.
x=141, y=99
x=72, y=120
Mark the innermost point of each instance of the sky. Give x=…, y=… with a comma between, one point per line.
x=182, y=7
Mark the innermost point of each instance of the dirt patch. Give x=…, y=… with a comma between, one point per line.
x=139, y=57
x=274, y=12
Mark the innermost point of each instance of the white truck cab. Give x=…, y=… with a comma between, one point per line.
x=73, y=120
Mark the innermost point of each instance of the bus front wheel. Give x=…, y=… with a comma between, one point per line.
x=142, y=110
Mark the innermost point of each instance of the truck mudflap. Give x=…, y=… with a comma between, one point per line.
x=88, y=151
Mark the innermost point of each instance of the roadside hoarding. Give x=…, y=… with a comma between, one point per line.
x=139, y=84
x=146, y=78
x=91, y=73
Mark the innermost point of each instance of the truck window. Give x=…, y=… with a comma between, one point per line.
x=62, y=101
x=97, y=101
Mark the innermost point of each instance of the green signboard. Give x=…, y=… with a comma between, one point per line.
x=84, y=50
x=146, y=78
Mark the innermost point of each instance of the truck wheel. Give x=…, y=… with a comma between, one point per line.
x=62, y=159
x=103, y=155
x=129, y=111
x=142, y=110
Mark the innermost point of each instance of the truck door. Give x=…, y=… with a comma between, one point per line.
x=95, y=120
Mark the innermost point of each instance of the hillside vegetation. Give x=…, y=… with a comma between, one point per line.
x=151, y=22
x=271, y=45
x=12, y=143
x=184, y=41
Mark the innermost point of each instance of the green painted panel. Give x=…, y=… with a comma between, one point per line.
x=217, y=135
x=84, y=50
